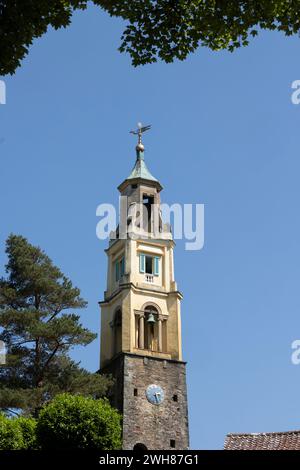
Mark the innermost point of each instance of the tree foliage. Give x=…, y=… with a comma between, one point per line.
x=154, y=29
x=39, y=331
x=17, y=433
x=76, y=422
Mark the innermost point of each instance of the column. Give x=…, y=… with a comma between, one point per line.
x=160, y=334
x=141, y=331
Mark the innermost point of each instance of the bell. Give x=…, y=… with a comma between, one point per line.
x=150, y=318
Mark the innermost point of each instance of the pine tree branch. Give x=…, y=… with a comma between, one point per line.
x=44, y=368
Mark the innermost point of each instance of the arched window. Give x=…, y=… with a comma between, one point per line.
x=117, y=332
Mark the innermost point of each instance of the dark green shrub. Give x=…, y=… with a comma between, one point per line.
x=28, y=430
x=17, y=433
x=77, y=422
x=10, y=434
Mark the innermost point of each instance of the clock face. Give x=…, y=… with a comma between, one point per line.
x=155, y=394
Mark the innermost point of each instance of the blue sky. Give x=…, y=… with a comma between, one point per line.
x=225, y=134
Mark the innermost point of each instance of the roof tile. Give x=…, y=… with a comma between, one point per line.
x=263, y=441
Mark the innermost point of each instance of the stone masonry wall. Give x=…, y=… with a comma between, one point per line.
x=163, y=426
x=155, y=426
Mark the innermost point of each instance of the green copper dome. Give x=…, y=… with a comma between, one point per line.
x=140, y=169
x=140, y=173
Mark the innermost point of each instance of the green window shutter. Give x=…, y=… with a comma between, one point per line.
x=156, y=265
x=142, y=263
x=117, y=267
x=122, y=267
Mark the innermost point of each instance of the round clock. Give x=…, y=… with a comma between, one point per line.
x=155, y=394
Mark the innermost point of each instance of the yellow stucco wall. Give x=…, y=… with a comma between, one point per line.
x=132, y=293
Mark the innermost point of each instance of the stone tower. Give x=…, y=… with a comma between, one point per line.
x=140, y=320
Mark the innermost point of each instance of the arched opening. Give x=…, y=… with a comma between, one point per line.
x=140, y=447
x=151, y=328
x=117, y=327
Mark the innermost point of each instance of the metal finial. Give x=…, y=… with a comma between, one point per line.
x=139, y=132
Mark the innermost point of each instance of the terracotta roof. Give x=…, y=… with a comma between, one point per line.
x=263, y=441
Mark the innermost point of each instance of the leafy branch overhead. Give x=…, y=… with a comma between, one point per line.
x=154, y=29
x=39, y=331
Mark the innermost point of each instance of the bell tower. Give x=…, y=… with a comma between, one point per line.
x=140, y=319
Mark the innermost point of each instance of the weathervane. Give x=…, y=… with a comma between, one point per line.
x=139, y=132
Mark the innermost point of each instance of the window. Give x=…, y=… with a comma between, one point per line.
x=172, y=443
x=175, y=398
x=135, y=392
x=117, y=333
x=119, y=268
x=149, y=264
x=122, y=266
